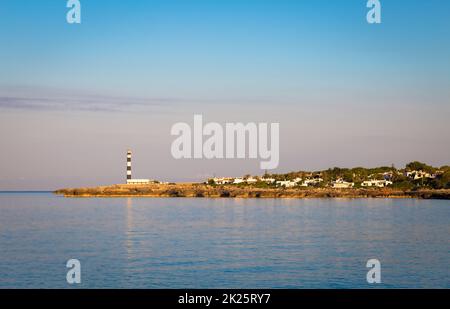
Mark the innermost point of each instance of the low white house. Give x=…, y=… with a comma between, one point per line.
x=223, y=180
x=251, y=180
x=268, y=180
x=289, y=183
x=286, y=183
x=238, y=180
x=341, y=184
x=311, y=182
x=138, y=181
x=376, y=183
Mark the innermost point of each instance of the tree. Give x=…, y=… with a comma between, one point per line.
x=441, y=181
x=419, y=166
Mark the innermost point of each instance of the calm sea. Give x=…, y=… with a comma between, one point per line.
x=222, y=243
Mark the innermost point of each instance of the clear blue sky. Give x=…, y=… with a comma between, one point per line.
x=196, y=48
x=318, y=60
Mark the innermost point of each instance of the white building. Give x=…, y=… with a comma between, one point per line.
x=138, y=181
x=251, y=180
x=286, y=183
x=341, y=184
x=223, y=180
x=311, y=182
x=238, y=180
x=376, y=183
x=268, y=180
x=289, y=183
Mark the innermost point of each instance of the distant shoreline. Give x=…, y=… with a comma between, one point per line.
x=193, y=190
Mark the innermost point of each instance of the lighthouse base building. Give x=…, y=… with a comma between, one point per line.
x=138, y=181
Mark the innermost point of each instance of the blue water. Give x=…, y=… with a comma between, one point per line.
x=222, y=243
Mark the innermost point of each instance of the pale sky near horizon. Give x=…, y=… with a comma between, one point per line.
x=74, y=98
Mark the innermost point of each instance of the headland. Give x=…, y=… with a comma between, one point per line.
x=195, y=190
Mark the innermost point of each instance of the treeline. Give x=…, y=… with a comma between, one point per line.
x=427, y=176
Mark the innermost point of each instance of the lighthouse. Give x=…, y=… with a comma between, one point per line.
x=128, y=165
x=130, y=180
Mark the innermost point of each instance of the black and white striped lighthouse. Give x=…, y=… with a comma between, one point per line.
x=128, y=165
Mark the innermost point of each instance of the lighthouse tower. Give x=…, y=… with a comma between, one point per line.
x=131, y=181
x=128, y=166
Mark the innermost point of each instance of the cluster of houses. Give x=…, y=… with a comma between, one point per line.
x=315, y=180
x=270, y=181
x=298, y=182
x=239, y=180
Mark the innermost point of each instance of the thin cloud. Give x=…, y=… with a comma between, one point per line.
x=82, y=103
x=44, y=99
